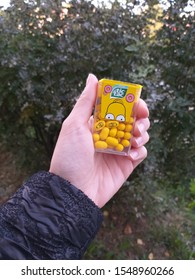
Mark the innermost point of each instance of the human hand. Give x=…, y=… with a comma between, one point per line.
x=98, y=175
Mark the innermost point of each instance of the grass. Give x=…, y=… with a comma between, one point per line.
x=143, y=225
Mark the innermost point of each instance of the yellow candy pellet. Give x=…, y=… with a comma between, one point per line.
x=113, y=132
x=111, y=124
x=99, y=125
x=112, y=141
x=119, y=147
x=96, y=137
x=121, y=126
x=110, y=147
x=120, y=134
x=127, y=135
x=128, y=127
x=125, y=143
x=104, y=133
x=131, y=120
x=101, y=145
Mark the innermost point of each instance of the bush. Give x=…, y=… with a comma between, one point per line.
x=46, y=54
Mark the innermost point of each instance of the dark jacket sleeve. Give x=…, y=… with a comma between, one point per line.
x=47, y=218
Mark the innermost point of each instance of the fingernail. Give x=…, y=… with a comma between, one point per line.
x=141, y=127
x=89, y=78
x=134, y=154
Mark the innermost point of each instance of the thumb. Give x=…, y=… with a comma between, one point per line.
x=83, y=108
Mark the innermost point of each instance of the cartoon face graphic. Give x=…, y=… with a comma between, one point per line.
x=116, y=111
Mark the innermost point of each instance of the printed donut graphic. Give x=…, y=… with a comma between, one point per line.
x=107, y=89
x=130, y=97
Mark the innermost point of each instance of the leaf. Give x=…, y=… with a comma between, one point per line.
x=151, y=256
x=132, y=48
x=191, y=205
x=192, y=186
x=127, y=230
x=167, y=254
x=106, y=213
x=140, y=242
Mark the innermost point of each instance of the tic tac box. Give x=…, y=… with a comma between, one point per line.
x=114, y=116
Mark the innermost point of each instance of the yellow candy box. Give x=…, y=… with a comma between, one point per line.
x=114, y=116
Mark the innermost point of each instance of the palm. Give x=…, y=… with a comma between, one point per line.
x=112, y=172
x=98, y=175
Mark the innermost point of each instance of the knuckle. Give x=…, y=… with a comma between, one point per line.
x=145, y=152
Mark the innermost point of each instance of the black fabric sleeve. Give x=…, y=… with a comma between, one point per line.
x=47, y=218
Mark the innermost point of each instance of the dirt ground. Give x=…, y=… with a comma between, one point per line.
x=11, y=177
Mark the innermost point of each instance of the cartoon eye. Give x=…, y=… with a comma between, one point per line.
x=110, y=117
x=120, y=118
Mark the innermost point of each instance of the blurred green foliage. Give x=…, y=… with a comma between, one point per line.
x=47, y=49
x=46, y=53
